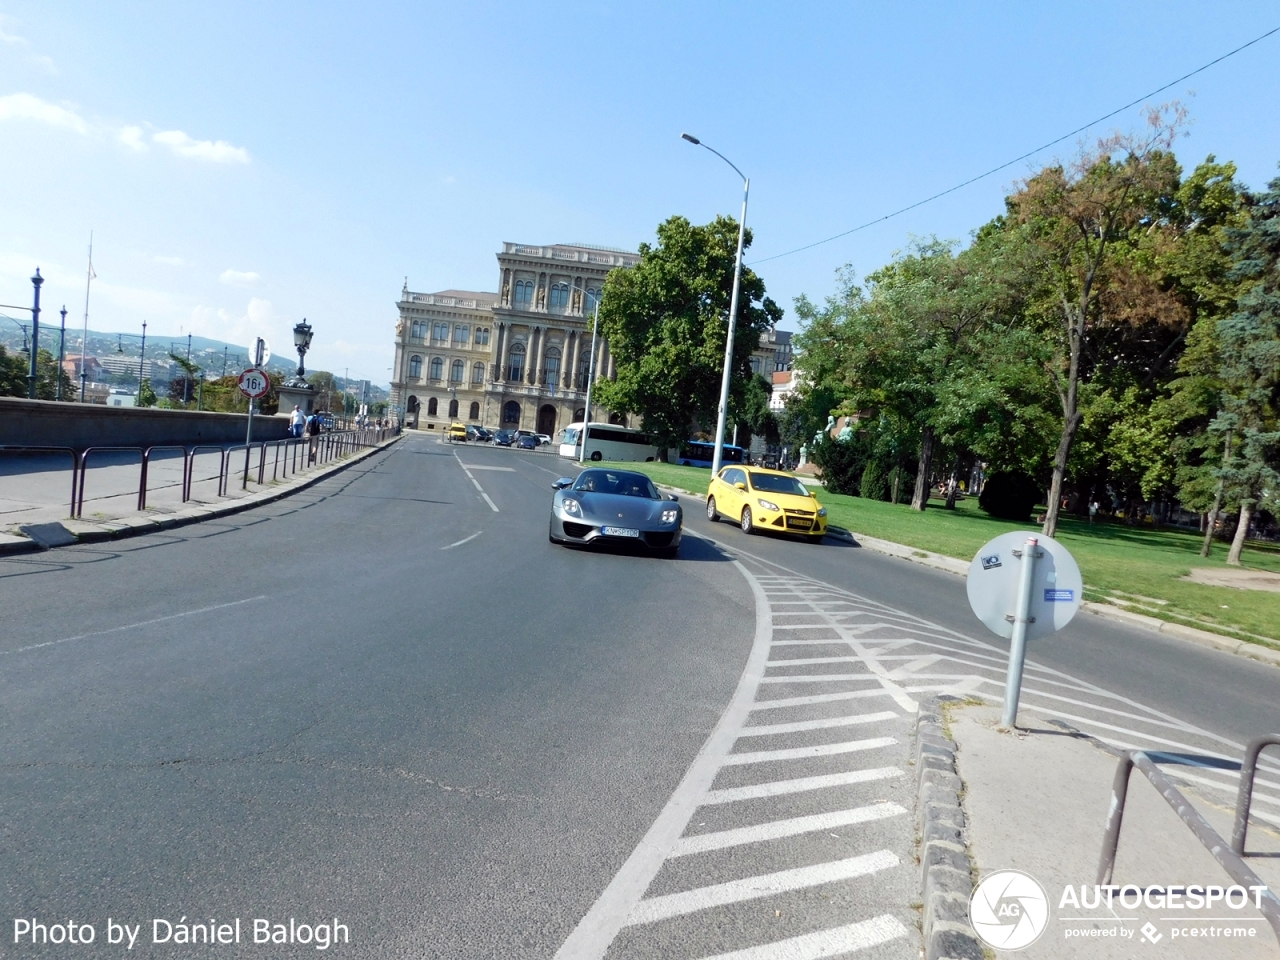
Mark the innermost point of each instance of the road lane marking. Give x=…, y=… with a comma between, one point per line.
x=818, y=698
x=462, y=541
x=825, y=724
x=790, y=827
x=824, y=943
x=802, y=753
x=818, y=677
x=753, y=888
x=807, y=661
x=780, y=788
x=480, y=466
x=135, y=626
x=492, y=506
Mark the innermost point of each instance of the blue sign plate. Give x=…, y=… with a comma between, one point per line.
x=1059, y=596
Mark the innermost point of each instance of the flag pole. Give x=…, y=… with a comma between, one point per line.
x=84, y=340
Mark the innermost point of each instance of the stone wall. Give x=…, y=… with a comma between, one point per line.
x=44, y=423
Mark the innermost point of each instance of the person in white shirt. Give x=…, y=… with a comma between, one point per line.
x=297, y=420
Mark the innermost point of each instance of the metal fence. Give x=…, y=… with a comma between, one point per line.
x=286, y=458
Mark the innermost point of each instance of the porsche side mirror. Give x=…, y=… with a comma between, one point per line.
x=562, y=483
x=674, y=497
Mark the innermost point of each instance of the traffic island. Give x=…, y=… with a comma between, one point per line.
x=1035, y=802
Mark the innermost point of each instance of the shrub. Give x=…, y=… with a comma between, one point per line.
x=1009, y=495
x=874, y=485
x=841, y=465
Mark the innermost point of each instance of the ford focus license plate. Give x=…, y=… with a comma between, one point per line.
x=619, y=532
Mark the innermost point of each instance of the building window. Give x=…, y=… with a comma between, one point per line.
x=584, y=369
x=593, y=297
x=515, y=367
x=559, y=296
x=475, y=411
x=461, y=333
x=482, y=336
x=755, y=364
x=415, y=367
x=524, y=293
x=477, y=373
x=416, y=330
x=432, y=407
x=453, y=409
x=455, y=371
x=551, y=366
x=437, y=368
x=440, y=333
x=511, y=412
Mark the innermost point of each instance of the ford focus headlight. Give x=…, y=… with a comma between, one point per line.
x=822, y=512
x=571, y=507
x=768, y=505
x=669, y=516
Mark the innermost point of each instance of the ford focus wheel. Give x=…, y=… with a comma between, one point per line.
x=747, y=525
x=712, y=515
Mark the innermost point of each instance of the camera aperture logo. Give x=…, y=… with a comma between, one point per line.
x=1009, y=910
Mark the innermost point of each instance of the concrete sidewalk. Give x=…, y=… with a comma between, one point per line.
x=35, y=494
x=1036, y=801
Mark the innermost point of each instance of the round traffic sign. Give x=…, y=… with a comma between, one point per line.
x=254, y=383
x=1056, y=586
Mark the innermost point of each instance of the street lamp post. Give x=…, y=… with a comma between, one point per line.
x=62, y=352
x=733, y=308
x=591, y=375
x=37, y=281
x=142, y=360
x=302, y=334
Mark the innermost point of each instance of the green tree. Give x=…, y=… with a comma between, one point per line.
x=146, y=396
x=666, y=323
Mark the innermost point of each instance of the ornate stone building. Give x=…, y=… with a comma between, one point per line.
x=517, y=359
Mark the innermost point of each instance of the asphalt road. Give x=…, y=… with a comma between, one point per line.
x=389, y=699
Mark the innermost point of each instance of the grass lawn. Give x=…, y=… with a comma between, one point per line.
x=1139, y=567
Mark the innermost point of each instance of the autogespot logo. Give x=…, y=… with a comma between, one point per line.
x=1009, y=910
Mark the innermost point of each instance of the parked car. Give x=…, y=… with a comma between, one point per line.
x=479, y=434
x=457, y=433
x=766, y=500
x=544, y=440
x=615, y=505
x=527, y=433
x=527, y=442
x=504, y=438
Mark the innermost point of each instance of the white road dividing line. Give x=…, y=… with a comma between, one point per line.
x=753, y=888
x=807, y=661
x=904, y=672
x=492, y=506
x=824, y=724
x=481, y=466
x=819, y=698
x=820, y=677
x=791, y=827
x=462, y=541
x=779, y=788
x=801, y=753
x=824, y=943
x=135, y=626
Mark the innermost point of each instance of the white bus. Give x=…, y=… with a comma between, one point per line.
x=606, y=441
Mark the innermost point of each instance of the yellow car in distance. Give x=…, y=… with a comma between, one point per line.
x=766, y=500
x=457, y=433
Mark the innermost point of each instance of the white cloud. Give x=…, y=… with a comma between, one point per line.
x=44, y=63
x=218, y=151
x=168, y=261
x=12, y=39
x=23, y=106
x=131, y=137
x=239, y=278
x=258, y=320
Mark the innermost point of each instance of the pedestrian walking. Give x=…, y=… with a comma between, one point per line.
x=297, y=420
x=313, y=431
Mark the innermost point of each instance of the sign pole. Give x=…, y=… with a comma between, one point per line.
x=1018, y=641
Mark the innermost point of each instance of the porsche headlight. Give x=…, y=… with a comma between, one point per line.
x=822, y=511
x=768, y=505
x=571, y=507
x=669, y=516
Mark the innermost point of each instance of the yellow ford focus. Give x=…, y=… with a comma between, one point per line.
x=760, y=499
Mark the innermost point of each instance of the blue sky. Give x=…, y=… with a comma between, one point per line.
x=244, y=165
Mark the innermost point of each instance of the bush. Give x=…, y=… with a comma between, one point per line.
x=841, y=465
x=873, y=483
x=1009, y=495
x=901, y=482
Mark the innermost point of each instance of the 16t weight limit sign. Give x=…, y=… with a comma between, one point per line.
x=254, y=383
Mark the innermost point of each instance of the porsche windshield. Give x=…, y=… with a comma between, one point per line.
x=617, y=482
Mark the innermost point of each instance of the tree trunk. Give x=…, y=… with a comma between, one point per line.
x=1217, y=503
x=1242, y=531
x=1050, y=527
x=920, y=498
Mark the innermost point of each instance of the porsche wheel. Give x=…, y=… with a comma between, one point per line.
x=712, y=515
x=748, y=525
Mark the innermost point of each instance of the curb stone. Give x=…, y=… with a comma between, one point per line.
x=946, y=872
x=116, y=529
x=1205, y=638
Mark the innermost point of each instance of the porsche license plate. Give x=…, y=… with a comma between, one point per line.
x=619, y=532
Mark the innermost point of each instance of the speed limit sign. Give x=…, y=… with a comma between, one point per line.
x=254, y=383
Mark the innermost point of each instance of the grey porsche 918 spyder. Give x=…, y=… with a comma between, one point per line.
x=616, y=506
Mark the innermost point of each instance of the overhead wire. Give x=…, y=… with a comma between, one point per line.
x=1028, y=154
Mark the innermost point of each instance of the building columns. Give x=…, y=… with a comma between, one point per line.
x=570, y=358
x=540, y=336
x=500, y=372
